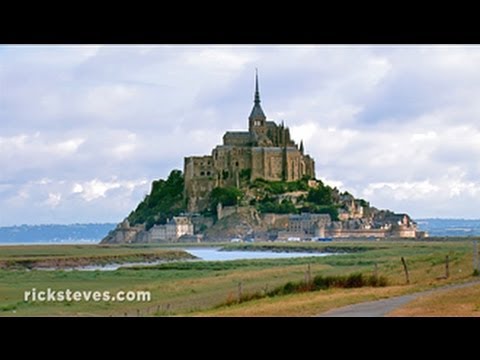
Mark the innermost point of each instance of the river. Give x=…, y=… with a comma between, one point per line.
x=209, y=254
x=214, y=254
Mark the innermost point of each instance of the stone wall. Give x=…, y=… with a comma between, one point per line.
x=275, y=221
x=341, y=233
x=126, y=234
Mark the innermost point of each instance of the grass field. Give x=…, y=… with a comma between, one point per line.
x=458, y=302
x=61, y=256
x=199, y=288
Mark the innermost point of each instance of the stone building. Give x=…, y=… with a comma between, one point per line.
x=309, y=224
x=172, y=230
x=265, y=151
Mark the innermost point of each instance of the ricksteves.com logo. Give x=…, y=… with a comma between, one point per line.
x=50, y=295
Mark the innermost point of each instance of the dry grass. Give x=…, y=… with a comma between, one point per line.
x=198, y=288
x=458, y=302
x=307, y=304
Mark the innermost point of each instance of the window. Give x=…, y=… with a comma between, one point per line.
x=202, y=173
x=236, y=163
x=208, y=173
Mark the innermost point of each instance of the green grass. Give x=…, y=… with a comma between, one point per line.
x=182, y=288
x=61, y=256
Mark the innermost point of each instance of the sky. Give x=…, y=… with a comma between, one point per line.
x=85, y=129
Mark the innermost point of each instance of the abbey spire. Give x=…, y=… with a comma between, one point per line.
x=257, y=112
x=257, y=93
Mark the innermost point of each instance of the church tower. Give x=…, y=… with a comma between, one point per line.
x=257, y=118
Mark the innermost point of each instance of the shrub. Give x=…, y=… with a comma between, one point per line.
x=164, y=201
x=354, y=281
x=319, y=282
x=321, y=195
x=227, y=196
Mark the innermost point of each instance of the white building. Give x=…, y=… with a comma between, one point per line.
x=172, y=230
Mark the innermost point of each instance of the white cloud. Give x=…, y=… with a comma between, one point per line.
x=53, y=199
x=403, y=190
x=69, y=146
x=94, y=189
x=77, y=188
x=108, y=100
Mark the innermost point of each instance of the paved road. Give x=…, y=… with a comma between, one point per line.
x=381, y=308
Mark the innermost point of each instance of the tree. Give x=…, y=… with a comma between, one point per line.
x=164, y=201
x=227, y=196
x=321, y=195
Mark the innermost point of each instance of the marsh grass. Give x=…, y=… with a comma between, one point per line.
x=197, y=287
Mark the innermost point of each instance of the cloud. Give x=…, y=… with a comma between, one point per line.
x=53, y=199
x=85, y=129
x=44, y=200
x=95, y=188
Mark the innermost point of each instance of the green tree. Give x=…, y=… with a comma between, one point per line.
x=227, y=196
x=164, y=201
x=321, y=195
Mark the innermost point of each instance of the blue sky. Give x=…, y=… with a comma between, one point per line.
x=85, y=129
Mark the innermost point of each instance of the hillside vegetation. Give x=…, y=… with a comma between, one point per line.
x=164, y=201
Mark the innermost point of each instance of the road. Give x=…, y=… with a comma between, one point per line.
x=380, y=308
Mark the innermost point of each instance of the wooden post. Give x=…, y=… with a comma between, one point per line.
x=375, y=271
x=475, y=256
x=406, y=270
x=478, y=263
x=309, y=274
x=239, y=291
x=447, y=267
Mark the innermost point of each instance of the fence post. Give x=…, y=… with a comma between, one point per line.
x=375, y=271
x=476, y=265
x=406, y=270
x=447, y=267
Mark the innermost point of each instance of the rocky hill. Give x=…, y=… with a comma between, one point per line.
x=253, y=209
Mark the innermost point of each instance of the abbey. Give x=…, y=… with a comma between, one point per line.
x=265, y=151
